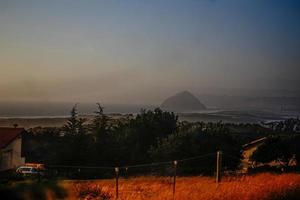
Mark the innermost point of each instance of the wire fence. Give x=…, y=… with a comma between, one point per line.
x=205, y=164
x=196, y=165
x=216, y=164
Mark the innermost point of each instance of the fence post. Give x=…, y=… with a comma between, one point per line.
x=117, y=182
x=219, y=166
x=174, y=178
x=126, y=172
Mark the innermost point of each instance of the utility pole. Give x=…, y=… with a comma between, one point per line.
x=174, y=178
x=219, y=167
x=117, y=182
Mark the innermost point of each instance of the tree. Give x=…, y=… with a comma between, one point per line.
x=76, y=142
x=101, y=131
x=293, y=143
x=75, y=125
x=147, y=128
x=100, y=122
x=189, y=141
x=42, y=145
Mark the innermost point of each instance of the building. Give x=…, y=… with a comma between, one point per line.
x=248, y=150
x=11, y=148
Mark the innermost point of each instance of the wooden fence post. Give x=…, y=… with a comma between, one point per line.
x=174, y=178
x=126, y=172
x=117, y=182
x=219, y=166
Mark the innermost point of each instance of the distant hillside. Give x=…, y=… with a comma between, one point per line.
x=251, y=103
x=183, y=102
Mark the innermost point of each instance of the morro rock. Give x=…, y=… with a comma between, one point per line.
x=183, y=102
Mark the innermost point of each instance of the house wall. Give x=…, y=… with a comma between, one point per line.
x=10, y=156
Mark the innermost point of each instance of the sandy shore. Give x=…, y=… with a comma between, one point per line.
x=33, y=122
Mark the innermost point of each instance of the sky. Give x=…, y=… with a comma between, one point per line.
x=139, y=51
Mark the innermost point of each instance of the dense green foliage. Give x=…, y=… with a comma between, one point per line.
x=192, y=140
x=104, y=142
x=150, y=136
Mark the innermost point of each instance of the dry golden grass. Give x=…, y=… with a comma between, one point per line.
x=258, y=187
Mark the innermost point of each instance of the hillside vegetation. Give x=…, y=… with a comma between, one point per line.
x=150, y=137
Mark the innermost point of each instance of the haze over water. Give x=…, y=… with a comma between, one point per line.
x=140, y=52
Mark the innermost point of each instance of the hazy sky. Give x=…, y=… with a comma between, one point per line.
x=141, y=51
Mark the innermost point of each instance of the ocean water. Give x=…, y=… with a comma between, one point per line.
x=62, y=110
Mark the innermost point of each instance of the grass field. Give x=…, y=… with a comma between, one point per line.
x=257, y=187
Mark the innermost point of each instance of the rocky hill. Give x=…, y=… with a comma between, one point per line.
x=183, y=102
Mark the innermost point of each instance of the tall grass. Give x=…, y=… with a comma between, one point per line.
x=257, y=187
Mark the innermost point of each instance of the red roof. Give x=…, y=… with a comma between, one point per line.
x=7, y=135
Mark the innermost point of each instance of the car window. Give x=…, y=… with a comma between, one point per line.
x=25, y=169
x=34, y=170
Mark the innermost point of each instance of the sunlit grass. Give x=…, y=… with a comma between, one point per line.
x=258, y=187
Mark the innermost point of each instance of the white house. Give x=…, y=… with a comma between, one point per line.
x=11, y=148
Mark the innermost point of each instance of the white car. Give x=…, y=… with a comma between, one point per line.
x=28, y=171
